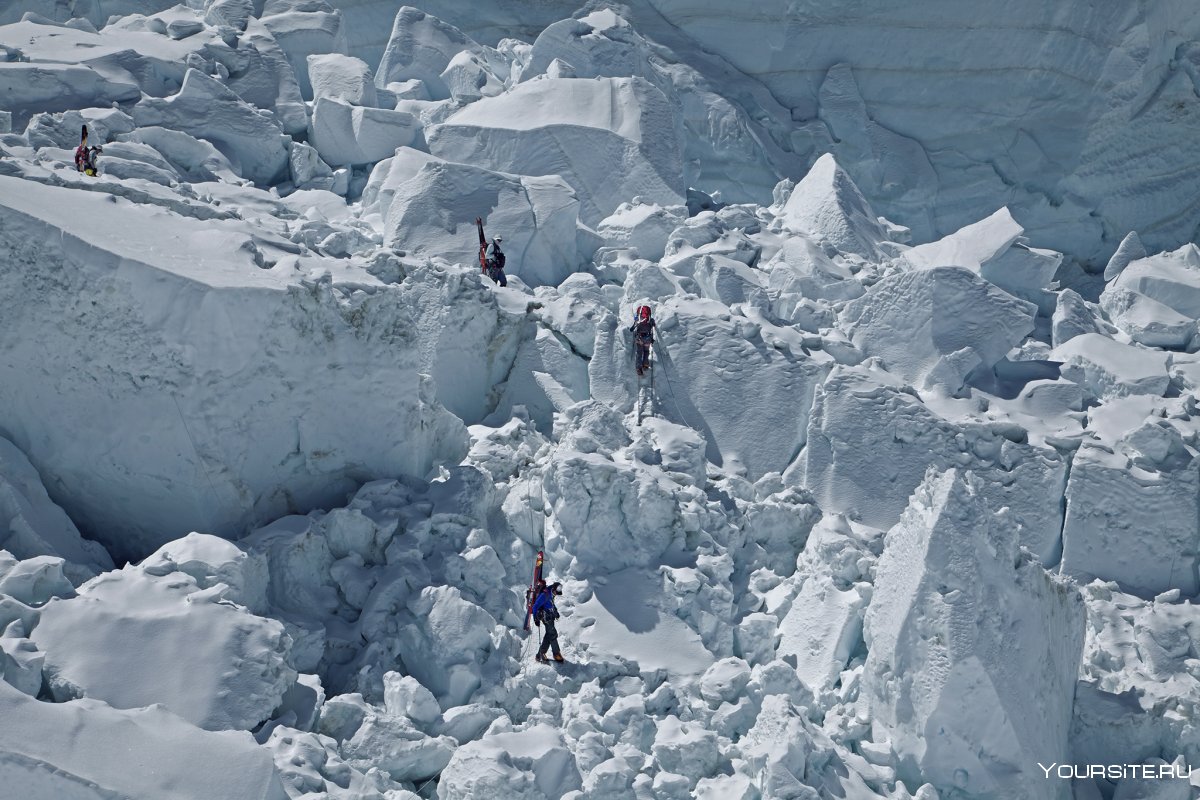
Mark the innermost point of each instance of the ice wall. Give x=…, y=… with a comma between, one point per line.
x=1056, y=110
x=1027, y=104
x=973, y=650
x=870, y=444
x=240, y=393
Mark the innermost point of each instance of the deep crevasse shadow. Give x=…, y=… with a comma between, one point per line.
x=629, y=595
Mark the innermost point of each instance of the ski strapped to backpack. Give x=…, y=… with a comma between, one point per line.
x=85, y=157
x=535, y=586
x=483, y=265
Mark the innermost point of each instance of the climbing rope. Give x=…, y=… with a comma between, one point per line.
x=427, y=782
x=671, y=389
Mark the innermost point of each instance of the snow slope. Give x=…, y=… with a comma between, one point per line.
x=906, y=503
x=84, y=749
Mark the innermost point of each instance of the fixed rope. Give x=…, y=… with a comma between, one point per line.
x=671, y=389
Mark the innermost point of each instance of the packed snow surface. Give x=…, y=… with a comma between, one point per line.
x=906, y=505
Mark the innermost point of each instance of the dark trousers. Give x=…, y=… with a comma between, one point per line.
x=643, y=354
x=549, y=639
x=497, y=275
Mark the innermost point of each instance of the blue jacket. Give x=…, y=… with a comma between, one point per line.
x=545, y=603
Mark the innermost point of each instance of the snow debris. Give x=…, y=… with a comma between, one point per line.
x=828, y=206
x=1131, y=520
x=239, y=455
x=392, y=744
x=32, y=88
x=644, y=227
x=344, y=78
x=33, y=581
x=468, y=78
x=971, y=246
x=253, y=143
x=89, y=750
x=1172, y=279
x=1146, y=320
x=1074, y=316
x=127, y=639
x=957, y=322
x=300, y=30
x=1108, y=368
x=870, y=444
x=276, y=457
x=1130, y=249
x=421, y=47
x=533, y=764
x=1136, y=692
x=210, y=561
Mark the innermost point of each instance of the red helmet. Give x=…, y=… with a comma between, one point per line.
x=643, y=312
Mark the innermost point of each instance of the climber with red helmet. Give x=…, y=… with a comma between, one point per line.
x=643, y=338
x=491, y=257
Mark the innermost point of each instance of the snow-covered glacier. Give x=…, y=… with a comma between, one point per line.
x=906, y=506
x=1079, y=117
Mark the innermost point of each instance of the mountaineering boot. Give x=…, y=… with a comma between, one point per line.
x=541, y=659
x=558, y=657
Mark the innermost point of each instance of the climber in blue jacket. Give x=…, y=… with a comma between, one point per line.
x=544, y=614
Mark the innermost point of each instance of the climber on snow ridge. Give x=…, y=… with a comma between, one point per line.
x=491, y=257
x=85, y=157
x=643, y=338
x=544, y=614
